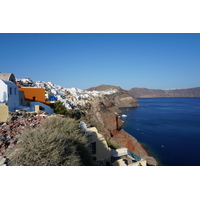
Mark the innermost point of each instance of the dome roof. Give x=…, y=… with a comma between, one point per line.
x=8, y=77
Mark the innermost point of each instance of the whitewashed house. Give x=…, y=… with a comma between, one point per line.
x=9, y=94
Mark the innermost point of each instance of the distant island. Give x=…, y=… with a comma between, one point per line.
x=154, y=93
x=151, y=93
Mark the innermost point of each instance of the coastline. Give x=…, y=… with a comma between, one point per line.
x=106, y=111
x=149, y=154
x=143, y=146
x=141, y=150
x=136, y=147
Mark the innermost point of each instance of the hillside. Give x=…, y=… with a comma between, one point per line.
x=104, y=87
x=153, y=93
x=118, y=96
x=96, y=108
x=103, y=114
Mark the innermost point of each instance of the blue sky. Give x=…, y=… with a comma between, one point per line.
x=159, y=61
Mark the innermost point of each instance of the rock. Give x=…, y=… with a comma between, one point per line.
x=8, y=137
x=2, y=138
x=13, y=118
x=7, y=128
x=150, y=160
x=23, y=114
x=11, y=145
x=32, y=125
x=1, y=143
x=4, y=124
x=2, y=160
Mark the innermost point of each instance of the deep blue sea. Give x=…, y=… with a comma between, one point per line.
x=169, y=128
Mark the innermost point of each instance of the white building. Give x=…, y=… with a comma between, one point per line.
x=9, y=94
x=8, y=77
x=42, y=106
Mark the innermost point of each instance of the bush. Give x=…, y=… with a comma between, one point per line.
x=112, y=144
x=59, y=108
x=76, y=114
x=60, y=142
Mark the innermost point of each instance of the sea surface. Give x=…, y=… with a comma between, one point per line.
x=169, y=128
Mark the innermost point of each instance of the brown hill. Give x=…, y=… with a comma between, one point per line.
x=104, y=87
x=122, y=98
x=152, y=93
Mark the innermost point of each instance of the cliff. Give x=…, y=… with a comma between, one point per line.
x=105, y=110
x=153, y=93
x=121, y=98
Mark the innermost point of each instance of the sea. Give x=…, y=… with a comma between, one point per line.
x=168, y=128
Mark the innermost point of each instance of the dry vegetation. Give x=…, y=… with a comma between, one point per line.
x=60, y=142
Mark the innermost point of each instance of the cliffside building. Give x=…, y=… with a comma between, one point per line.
x=104, y=155
x=34, y=94
x=13, y=97
x=100, y=149
x=9, y=94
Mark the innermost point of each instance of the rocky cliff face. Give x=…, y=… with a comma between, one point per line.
x=105, y=110
x=153, y=93
x=121, y=98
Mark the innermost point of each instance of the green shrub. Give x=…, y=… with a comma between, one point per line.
x=76, y=114
x=112, y=144
x=59, y=142
x=59, y=108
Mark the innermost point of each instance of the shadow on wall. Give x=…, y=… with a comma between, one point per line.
x=4, y=97
x=46, y=108
x=3, y=112
x=99, y=147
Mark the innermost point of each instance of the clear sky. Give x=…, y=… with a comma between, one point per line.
x=82, y=60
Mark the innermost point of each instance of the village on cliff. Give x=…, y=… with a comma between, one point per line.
x=26, y=103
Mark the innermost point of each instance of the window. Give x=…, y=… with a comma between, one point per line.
x=41, y=108
x=10, y=91
x=15, y=91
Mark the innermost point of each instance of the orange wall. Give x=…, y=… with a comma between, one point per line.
x=30, y=93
